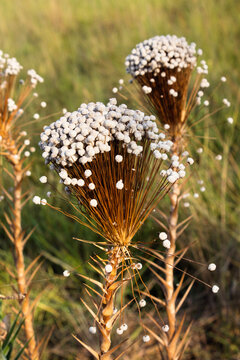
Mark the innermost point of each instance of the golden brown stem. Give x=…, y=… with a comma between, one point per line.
x=170, y=299
x=16, y=163
x=111, y=286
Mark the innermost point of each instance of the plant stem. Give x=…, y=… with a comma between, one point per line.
x=107, y=310
x=18, y=238
x=170, y=299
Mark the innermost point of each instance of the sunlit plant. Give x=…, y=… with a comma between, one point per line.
x=15, y=96
x=110, y=158
x=172, y=80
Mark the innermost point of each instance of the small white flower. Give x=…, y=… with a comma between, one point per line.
x=206, y=103
x=121, y=81
x=115, y=90
x=162, y=235
x=186, y=204
x=108, y=268
x=212, y=267
x=44, y=202
x=139, y=266
x=226, y=102
x=119, y=185
x=190, y=160
x=218, y=157
x=166, y=127
x=37, y=200
x=182, y=173
x=32, y=149
x=81, y=182
x=36, y=116
x=27, y=153
x=196, y=195
x=118, y=158
x=202, y=188
x=26, y=142
x=43, y=104
x=66, y=273
x=142, y=303
x=215, y=289
x=124, y=327
x=91, y=186
x=167, y=244
x=92, y=330
x=93, y=202
x=200, y=150
x=63, y=174
x=165, y=328
x=146, y=338
x=64, y=111
x=185, y=153
x=28, y=173
x=230, y=120
x=147, y=89
x=87, y=173
x=119, y=331
x=223, y=79
x=49, y=193
x=43, y=179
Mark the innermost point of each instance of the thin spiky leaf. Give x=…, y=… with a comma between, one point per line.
x=93, y=281
x=184, y=296
x=160, y=340
x=87, y=347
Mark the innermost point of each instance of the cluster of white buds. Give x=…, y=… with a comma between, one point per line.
x=79, y=136
x=11, y=105
x=9, y=66
x=147, y=89
x=38, y=201
x=121, y=329
x=34, y=77
x=166, y=243
x=161, y=52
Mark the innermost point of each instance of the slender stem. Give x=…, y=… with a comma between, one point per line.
x=16, y=162
x=115, y=258
x=170, y=299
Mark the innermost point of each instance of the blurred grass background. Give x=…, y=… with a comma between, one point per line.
x=79, y=47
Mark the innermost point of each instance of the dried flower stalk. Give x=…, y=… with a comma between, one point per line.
x=109, y=157
x=12, y=149
x=163, y=67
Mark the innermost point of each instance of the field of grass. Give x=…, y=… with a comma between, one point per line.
x=79, y=47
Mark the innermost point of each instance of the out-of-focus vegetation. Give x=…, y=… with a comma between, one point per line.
x=79, y=47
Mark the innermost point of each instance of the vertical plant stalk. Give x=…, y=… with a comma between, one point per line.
x=169, y=266
x=107, y=310
x=18, y=238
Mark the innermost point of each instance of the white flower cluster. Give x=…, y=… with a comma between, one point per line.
x=81, y=135
x=34, y=77
x=161, y=52
x=9, y=66
x=11, y=105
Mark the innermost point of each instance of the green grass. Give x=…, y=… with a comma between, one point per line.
x=79, y=47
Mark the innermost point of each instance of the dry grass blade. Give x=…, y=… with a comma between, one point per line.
x=184, y=296
x=87, y=347
x=160, y=340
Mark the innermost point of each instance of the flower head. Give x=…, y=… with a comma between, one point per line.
x=110, y=147
x=163, y=66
